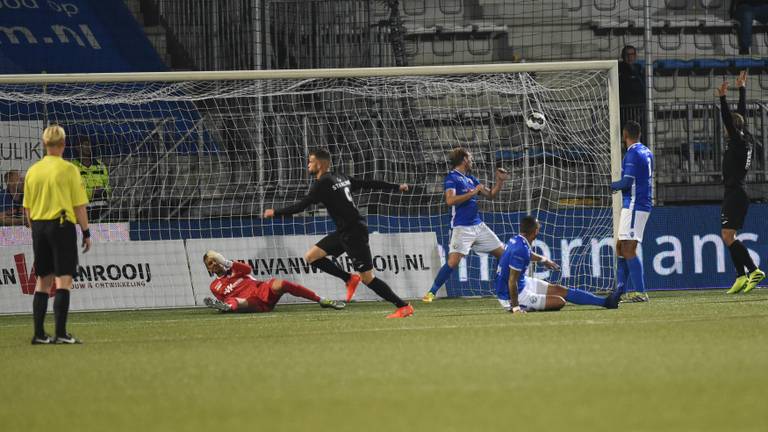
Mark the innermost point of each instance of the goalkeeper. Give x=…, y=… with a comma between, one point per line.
x=518, y=293
x=236, y=290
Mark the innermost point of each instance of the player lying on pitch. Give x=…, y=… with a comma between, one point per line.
x=236, y=290
x=518, y=293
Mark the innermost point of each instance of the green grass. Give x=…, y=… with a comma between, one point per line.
x=693, y=361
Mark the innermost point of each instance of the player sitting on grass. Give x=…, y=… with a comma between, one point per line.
x=236, y=290
x=518, y=293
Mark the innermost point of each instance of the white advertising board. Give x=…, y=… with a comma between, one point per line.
x=113, y=275
x=20, y=144
x=408, y=262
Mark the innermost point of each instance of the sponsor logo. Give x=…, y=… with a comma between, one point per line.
x=90, y=276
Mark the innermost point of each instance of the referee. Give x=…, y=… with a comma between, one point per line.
x=334, y=190
x=736, y=162
x=54, y=200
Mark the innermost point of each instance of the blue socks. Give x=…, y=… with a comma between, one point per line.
x=636, y=274
x=442, y=276
x=621, y=275
x=580, y=297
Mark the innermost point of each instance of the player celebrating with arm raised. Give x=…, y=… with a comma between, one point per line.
x=518, y=293
x=334, y=191
x=236, y=290
x=636, y=185
x=736, y=162
x=468, y=230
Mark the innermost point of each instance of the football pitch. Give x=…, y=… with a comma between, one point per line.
x=693, y=361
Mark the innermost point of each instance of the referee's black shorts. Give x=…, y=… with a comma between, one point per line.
x=353, y=241
x=55, y=247
x=734, y=210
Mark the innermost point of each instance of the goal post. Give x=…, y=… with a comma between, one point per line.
x=200, y=155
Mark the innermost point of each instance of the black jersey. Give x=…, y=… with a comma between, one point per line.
x=334, y=191
x=738, y=156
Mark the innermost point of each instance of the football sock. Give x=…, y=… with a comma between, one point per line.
x=580, y=297
x=622, y=275
x=39, y=307
x=60, y=311
x=636, y=274
x=442, y=276
x=384, y=291
x=736, y=258
x=744, y=257
x=331, y=268
x=300, y=291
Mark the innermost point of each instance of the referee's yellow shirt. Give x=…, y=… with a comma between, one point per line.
x=52, y=185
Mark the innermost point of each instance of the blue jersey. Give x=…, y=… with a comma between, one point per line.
x=638, y=164
x=517, y=256
x=466, y=213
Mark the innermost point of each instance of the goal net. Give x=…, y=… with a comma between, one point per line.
x=198, y=155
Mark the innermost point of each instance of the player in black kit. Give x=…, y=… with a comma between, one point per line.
x=736, y=161
x=334, y=190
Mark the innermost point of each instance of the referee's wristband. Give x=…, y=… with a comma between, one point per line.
x=86, y=233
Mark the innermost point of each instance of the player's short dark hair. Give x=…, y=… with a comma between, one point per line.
x=738, y=121
x=528, y=224
x=456, y=156
x=321, y=154
x=632, y=128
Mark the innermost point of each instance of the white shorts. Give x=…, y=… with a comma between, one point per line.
x=533, y=297
x=632, y=224
x=478, y=237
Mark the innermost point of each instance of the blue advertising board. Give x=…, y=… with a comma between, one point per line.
x=66, y=36
x=682, y=248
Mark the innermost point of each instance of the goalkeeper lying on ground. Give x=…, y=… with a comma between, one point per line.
x=236, y=290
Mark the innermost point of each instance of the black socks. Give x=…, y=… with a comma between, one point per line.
x=331, y=268
x=741, y=258
x=39, y=308
x=60, y=311
x=384, y=291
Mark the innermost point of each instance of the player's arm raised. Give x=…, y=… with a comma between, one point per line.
x=741, y=83
x=501, y=176
x=725, y=111
x=514, y=277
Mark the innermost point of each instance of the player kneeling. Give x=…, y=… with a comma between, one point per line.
x=518, y=293
x=236, y=290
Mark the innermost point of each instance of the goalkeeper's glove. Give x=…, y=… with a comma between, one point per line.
x=219, y=258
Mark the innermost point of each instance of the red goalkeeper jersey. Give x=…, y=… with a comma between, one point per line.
x=237, y=282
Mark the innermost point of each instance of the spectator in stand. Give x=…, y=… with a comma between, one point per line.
x=95, y=178
x=631, y=87
x=746, y=11
x=11, y=198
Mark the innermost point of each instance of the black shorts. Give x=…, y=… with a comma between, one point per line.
x=734, y=210
x=353, y=241
x=55, y=247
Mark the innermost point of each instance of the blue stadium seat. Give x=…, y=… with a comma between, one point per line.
x=673, y=65
x=711, y=64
